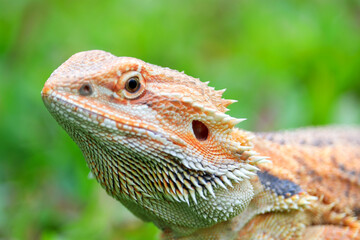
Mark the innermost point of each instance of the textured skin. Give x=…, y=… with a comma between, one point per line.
x=165, y=148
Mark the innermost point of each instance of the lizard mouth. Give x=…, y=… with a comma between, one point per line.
x=67, y=107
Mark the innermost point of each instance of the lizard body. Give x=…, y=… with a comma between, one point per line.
x=160, y=142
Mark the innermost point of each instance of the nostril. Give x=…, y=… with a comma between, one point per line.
x=200, y=130
x=45, y=91
x=85, y=89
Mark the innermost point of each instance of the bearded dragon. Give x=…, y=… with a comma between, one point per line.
x=160, y=142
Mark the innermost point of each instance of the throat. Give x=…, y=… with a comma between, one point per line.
x=149, y=187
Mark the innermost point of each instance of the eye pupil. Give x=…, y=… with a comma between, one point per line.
x=132, y=85
x=85, y=90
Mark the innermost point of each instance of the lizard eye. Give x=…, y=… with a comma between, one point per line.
x=85, y=89
x=132, y=84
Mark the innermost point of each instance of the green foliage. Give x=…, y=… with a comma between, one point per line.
x=289, y=63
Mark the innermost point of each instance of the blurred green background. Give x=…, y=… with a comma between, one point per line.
x=289, y=63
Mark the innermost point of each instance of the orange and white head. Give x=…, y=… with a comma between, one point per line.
x=161, y=132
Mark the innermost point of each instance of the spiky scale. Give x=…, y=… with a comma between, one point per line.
x=193, y=195
x=220, y=183
x=201, y=192
x=210, y=189
x=227, y=181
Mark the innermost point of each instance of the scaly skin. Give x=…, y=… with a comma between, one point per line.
x=159, y=141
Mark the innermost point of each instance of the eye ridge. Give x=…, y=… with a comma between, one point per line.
x=132, y=85
x=85, y=89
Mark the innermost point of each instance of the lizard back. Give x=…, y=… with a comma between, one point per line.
x=323, y=161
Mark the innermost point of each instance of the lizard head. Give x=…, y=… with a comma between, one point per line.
x=152, y=134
